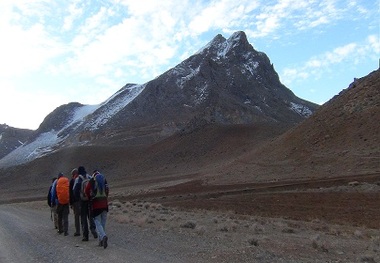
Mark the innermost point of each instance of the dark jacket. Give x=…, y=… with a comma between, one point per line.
x=72, y=198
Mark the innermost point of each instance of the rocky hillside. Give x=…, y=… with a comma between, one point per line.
x=341, y=138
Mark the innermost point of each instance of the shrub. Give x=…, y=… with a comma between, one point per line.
x=189, y=224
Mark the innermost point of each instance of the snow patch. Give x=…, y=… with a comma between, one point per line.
x=251, y=66
x=191, y=73
x=258, y=108
x=42, y=145
x=113, y=105
x=300, y=109
x=202, y=95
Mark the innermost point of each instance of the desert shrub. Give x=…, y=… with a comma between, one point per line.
x=358, y=234
x=367, y=259
x=257, y=228
x=156, y=206
x=115, y=203
x=128, y=204
x=288, y=230
x=122, y=219
x=200, y=230
x=253, y=242
x=162, y=218
x=141, y=221
x=189, y=224
x=317, y=244
x=223, y=228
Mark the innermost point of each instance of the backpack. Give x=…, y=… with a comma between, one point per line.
x=99, y=186
x=62, y=189
x=83, y=195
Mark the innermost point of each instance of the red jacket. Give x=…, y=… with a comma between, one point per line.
x=99, y=204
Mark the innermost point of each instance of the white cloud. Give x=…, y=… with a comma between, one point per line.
x=27, y=108
x=349, y=54
x=225, y=14
x=104, y=44
x=74, y=13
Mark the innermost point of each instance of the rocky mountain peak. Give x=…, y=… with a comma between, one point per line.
x=227, y=82
x=221, y=47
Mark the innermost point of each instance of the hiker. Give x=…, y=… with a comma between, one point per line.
x=52, y=204
x=97, y=191
x=75, y=204
x=86, y=220
x=61, y=195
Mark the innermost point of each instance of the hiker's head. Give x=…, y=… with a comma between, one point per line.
x=74, y=172
x=95, y=172
x=82, y=170
x=60, y=174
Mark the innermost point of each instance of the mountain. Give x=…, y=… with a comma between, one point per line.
x=341, y=139
x=227, y=82
x=12, y=138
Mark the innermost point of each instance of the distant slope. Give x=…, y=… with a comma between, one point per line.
x=341, y=138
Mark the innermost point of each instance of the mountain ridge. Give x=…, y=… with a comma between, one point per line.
x=226, y=82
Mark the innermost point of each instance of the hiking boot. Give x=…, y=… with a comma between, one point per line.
x=100, y=243
x=66, y=234
x=76, y=234
x=95, y=234
x=85, y=239
x=59, y=231
x=105, y=242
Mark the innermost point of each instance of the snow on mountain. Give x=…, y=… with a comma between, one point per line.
x=113, y=105
x=189, y=74
x=48, y=142
x=39, y=147
x=301, y=109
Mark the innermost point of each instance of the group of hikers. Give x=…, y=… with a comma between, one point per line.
x=87, y=196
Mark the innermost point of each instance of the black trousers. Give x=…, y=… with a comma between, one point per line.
x=86, y=219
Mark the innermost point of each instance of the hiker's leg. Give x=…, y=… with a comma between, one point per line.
x=84, y=215
x=65, y=216
x=54, y=215
x=77, y=217
x=60, y=218
x=104, y=220
x=99, y=227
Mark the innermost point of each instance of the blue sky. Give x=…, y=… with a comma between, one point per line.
x=56, y=52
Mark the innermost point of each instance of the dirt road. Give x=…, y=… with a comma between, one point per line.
x=28, y=235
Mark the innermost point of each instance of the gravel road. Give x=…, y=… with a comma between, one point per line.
x=28, y=235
